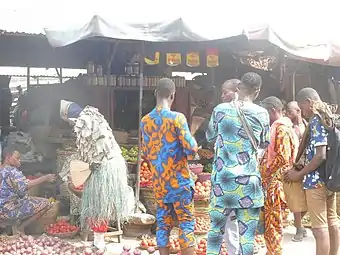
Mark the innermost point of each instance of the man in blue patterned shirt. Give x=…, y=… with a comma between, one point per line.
x=321, y=203
x=236, y=182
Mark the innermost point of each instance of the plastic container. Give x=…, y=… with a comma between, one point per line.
x=99, y=240
x=202, y=177
x=196, y=170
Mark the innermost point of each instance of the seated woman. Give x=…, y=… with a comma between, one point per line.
x=16, y=206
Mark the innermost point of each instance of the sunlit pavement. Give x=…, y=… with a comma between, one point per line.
x=306, y=247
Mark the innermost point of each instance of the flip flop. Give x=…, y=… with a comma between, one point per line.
x=304, y=232
x=300, y=234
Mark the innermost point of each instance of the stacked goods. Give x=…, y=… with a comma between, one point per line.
x=130, y=155
x=205, y=154
x=196, y=168
x=147, y=242
x=201, y=248
x=207, y=168
x=127, y=251
x=201, y=209
x=43, y=245
x=174, y=245
x=62, y=229
x=145, y=175
x=202, y=190
x=149, y=201
x=202, y=225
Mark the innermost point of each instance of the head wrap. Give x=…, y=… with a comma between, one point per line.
x=69, y=110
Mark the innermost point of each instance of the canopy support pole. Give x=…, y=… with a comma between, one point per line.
x=28, y=77
x=60, y=74
x=112, y=56
x=141, y=81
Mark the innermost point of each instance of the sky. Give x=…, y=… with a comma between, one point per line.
x=212, y=17
x=298, y=20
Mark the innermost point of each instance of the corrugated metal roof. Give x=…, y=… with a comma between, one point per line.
x=17, y=33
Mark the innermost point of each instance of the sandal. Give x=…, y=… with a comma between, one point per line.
x=300, y=234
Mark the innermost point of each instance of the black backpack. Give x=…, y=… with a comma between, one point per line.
x=330, y=169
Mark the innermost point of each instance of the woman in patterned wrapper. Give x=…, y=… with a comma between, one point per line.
x=15, y=203
x=106, y=190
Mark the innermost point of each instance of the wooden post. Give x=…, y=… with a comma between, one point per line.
x=213, y=86
x=28, y=77
x=61, y=76
x=293, y=85
x=141, y=81
x=112, y=56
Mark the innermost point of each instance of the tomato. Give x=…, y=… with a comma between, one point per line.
x=61, y=226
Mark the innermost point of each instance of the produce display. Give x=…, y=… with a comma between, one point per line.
x=127, y=251
x=193, y=165
x=52, y=200
x=145, y=175
x=201, y=225
x=202, y=190
x=174, y=244
x=61, y=227
x=205, y=154
x=130, y=155
x=207, y=168
x=201, y=248
x=79, y=188
x=31, y=177
x=147, y=242
x=43, y=245
x=196, y=168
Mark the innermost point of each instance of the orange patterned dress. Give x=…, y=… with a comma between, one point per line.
x=278, y=158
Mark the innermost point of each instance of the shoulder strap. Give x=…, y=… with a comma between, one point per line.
x=303, y=143
x=249, y=131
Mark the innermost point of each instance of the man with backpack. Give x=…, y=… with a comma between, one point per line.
x=321, y=201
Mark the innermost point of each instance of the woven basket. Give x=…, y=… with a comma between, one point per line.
x=146, y=247
x=62, y=155
x=201, y=209
x=135, y=230
x=65, y=235
x=34, y=191
x=202, y=177
x=87, y=236
x=51, y=215
x=148, y=199
x=48, y=218
x=64, y=192
x=202, y=198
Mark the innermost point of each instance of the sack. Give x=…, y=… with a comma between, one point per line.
x=330, y=169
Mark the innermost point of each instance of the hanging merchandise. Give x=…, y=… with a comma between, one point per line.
x=193, y=59
x=173, y=59
x=212, y=58
x=152, y=62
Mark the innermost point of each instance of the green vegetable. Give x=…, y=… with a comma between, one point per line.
x=207, y=168
x=130, y=155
